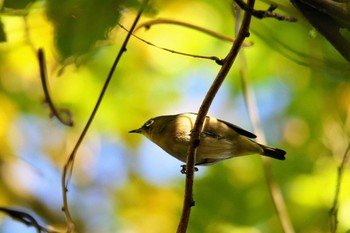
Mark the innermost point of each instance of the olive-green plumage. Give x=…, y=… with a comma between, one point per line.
x=219, y=139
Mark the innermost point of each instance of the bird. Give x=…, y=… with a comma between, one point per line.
x=219, y=140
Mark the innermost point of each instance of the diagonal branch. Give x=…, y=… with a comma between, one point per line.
x=68, y=167
x=203, y=110
x=214, y=58
x=334, y=210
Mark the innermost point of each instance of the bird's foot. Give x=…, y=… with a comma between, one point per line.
x=184, y=171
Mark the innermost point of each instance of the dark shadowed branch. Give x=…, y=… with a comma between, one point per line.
x=63, y=115
x=26, y=219
x=331, y=18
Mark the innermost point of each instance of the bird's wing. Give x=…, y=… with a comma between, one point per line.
x=234, y=127
x=238, y=129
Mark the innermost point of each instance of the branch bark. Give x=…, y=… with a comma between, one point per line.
x=63, y=115
x=149, y=24
x=68, y=166
x=203, y=110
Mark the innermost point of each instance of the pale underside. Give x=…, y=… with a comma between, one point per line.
x=218, y=141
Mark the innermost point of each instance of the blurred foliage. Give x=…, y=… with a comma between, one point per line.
x=79, y=24
x=18, y=4
x=123, y=183
x=2, y=33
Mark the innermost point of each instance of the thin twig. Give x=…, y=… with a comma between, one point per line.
x=217, y=35
x=275, y=191
x=214, y=58
x=277, y=197
x=334, y=210
x=68, y=118
x=68, y=167
x=203, y=110
x=269, y=13
x=26, y=219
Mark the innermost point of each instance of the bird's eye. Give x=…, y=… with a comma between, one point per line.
x=149, y=123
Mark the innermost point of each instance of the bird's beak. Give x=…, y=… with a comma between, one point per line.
x=136, y=130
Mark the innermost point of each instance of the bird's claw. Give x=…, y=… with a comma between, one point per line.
x=184, y=171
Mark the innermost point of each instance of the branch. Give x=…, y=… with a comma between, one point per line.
x=275, y=191
x=274, y=188
x=269, y=13
x=203, y=110
x=68, y=167
x=214, y=58
x=334, y=210
x=26, y=219
x=68, y=118
x=217, y=35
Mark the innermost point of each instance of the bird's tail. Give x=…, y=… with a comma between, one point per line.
x=273, y=152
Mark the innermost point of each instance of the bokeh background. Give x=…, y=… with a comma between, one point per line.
x=124, y=183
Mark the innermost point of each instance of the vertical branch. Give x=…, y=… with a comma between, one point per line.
x=203, y=110
x=68, y=167
x=63, y=115
x=275, y=191
x=250, y=102
x=334, y=210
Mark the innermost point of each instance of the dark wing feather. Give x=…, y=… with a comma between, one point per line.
x=234, y=127
x=238, y=129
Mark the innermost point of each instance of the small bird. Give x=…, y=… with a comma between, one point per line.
x=219, y=140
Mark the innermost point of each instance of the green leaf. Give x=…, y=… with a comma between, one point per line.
x=79, y=24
